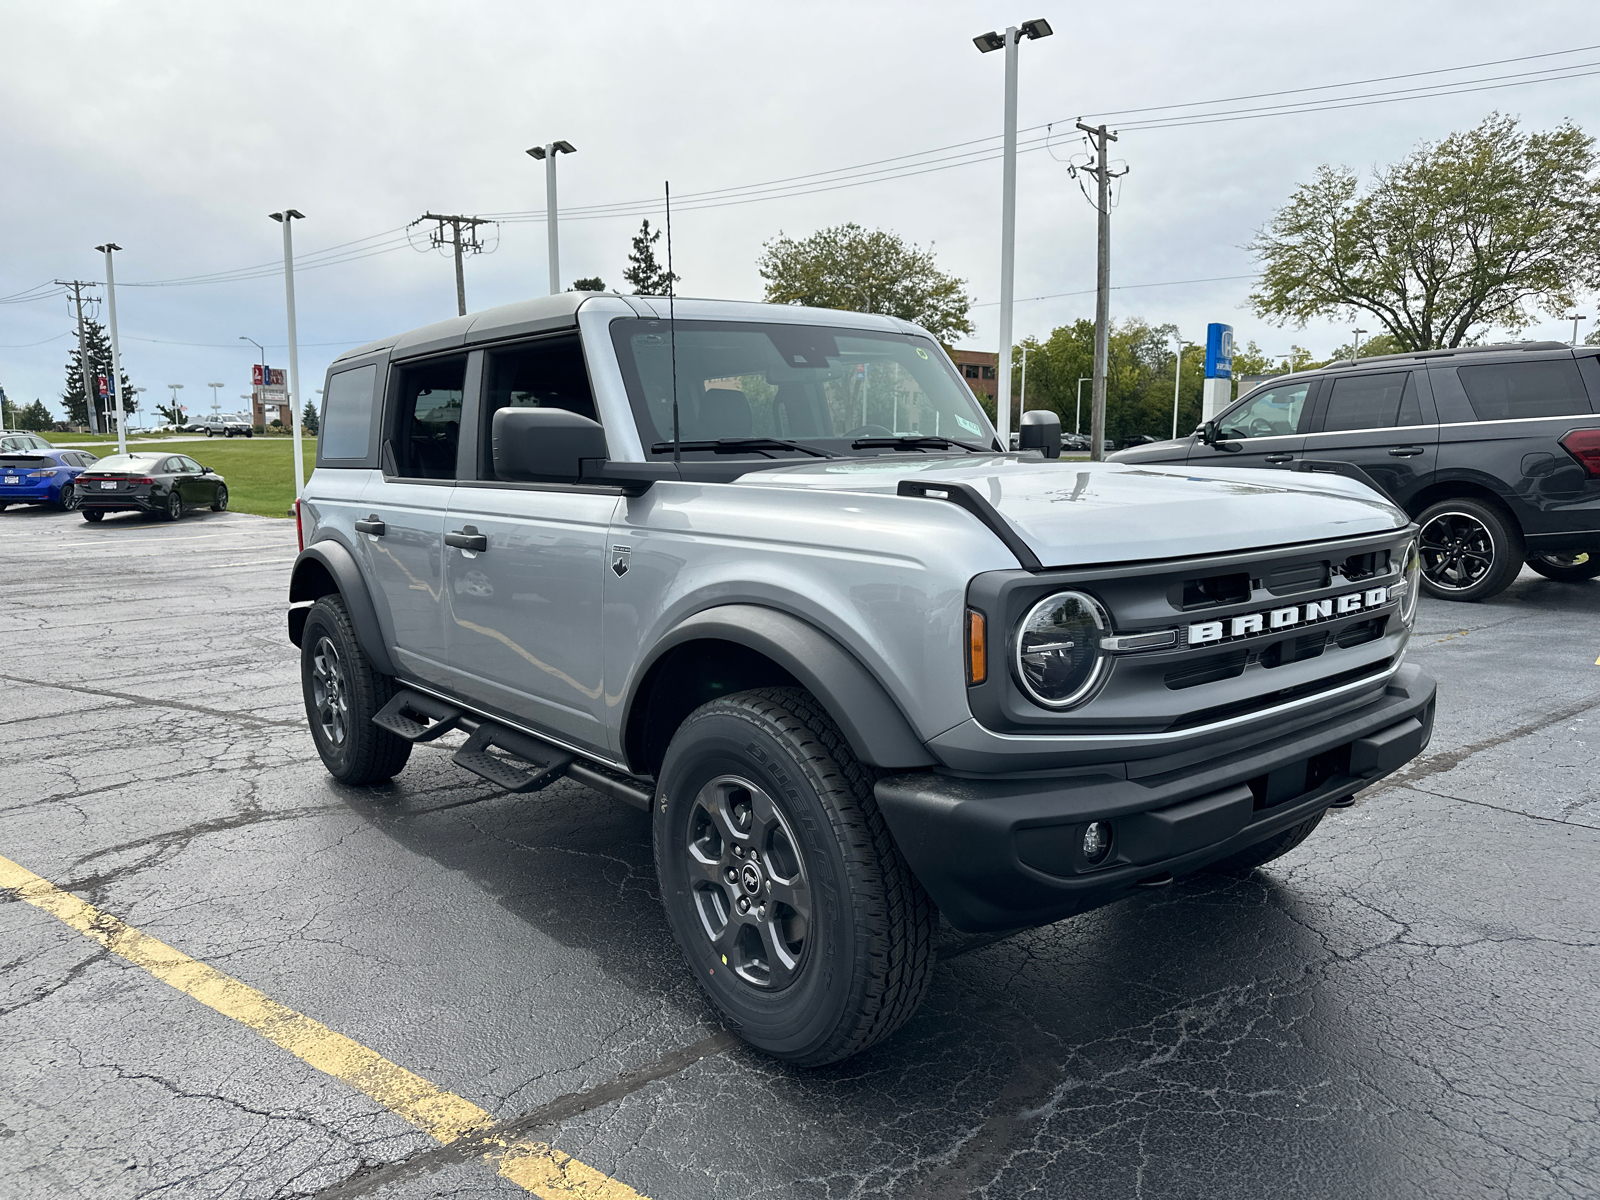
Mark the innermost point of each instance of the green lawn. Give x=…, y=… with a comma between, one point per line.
x=259, y=471
x=74, y=439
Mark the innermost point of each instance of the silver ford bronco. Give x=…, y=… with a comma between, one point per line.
x=765, y=573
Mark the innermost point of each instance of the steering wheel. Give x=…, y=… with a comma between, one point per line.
x=868, y=431
x=1261, y=427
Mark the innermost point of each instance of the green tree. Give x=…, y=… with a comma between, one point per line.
x=1461, y=236
x=171, y=412
x=592, y=284
x=99, y=346
x=310, y=419
x=644, y=274
x=851, y=268
x=36, y=417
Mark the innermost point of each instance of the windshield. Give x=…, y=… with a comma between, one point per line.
x=828, y=389
x=128, y=462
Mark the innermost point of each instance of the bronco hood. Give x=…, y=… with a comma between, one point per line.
x=1076, y=513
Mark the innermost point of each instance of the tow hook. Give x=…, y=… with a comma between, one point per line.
x=1155, y=881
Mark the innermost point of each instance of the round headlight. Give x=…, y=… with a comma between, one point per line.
x=1059, y=661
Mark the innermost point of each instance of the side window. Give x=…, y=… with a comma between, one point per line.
x=190, y=467
x=346, y=429
x=1506, y=391
x=427, y=419
x=544, y=374
x=1273, y=413
x=1372, y=402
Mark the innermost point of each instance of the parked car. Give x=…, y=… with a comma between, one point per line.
x=193, y=425
x=227, y=426
x=858, y=675
x=1138, y=439
x=1493, y=450
x=40, y=474
x=22, y=442
x=150, y=482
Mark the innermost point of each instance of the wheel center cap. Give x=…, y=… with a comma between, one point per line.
x=750, y=878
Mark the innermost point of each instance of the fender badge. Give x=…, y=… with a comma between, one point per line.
x=619, y=559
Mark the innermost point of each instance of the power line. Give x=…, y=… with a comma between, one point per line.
x=1120, y=287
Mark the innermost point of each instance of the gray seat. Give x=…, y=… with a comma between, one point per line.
x=724, y=413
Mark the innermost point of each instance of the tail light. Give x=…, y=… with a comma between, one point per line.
x=1584, y=445
x=299, y=527
x=141, y=479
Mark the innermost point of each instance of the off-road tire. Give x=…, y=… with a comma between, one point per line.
x=1276, y=846
x=1506, y=551
x=93, y=515
x=365, y=753
x=1587, y=566
x=868, y=953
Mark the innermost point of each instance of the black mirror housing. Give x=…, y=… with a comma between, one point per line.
x=544, y=445
x=1040, y=430
x=1209, y=434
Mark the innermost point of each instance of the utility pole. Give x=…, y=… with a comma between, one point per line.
x=116, y=352
x=547, y=154
x=285, y=218
x=457, y=224
x=77, y=286
x=1575, y=318
x=1103, y=175
x=1177, y=378
x=1077, y=420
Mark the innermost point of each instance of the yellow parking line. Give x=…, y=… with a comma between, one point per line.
x=535, y=1166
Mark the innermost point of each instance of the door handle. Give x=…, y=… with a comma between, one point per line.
x=467, y=538
x=372, y=525
x=1405, y=452
x=1281, y=457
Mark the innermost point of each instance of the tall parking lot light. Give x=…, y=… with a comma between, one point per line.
x=116, y=353
x=285, y=218
x=1008, y=205
x=547, y=154
x=1177, y=379
x=1575, y=318
x=215, y=407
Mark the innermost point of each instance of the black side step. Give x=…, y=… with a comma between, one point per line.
x=401, y=716
x=550, y=763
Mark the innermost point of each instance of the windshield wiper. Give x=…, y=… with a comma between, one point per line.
x=733, y=445
x=917, y=442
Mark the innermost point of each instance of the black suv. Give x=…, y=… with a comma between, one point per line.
x=1494, y=450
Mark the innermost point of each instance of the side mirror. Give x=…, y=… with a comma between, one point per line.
x=544, y=445
x=1040, y=430
x=1209, y=433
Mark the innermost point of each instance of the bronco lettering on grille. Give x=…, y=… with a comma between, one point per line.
x=1272, y=620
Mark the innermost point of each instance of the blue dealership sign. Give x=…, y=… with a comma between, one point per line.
x=1219, y=351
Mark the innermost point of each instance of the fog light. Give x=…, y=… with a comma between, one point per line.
x=1096, y=841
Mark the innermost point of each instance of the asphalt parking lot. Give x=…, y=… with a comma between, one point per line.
x=1406, y=1006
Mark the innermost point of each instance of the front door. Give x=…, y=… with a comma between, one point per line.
x=1382, y=422
x=1266, y=430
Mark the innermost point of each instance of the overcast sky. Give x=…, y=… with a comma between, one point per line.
x=174, y=129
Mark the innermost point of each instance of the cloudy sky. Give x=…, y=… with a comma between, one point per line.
x=174, y=129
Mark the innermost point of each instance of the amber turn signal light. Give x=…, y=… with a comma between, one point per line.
x=977, y=649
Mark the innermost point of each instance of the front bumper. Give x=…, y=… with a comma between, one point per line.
x=1005, y=853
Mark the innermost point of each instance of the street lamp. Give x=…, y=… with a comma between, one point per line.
x=1177, y=376
x=215, y=407
x=1008, y=197
x=176, y=388
x=1355, y=350
x=286, y=218
x=116, y=353
x=547, y=154
x=1575, y=318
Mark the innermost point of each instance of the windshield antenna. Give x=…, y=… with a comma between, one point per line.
x=672, y=328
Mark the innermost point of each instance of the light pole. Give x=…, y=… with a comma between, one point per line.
x=215, y=407
x=176, y=388
x=134, y=393
x=547, y=154
x=1177, y=377
x=285, y=218
x=1008, y=199
x=264, y=379
x=1355, y=350
x=116, y=353
x=1077, y=420
x=1575, y=318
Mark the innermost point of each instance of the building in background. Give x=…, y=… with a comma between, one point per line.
x=979, y=368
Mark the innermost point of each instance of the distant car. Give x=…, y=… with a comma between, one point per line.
x=227, y=426
x=40, y=476
x=22, y=442
x=152, y=482
x=193, y=426
x=1139, y=439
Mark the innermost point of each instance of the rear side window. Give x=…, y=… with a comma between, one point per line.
x=546, y=374
x=346, y=429
x=1372, y=402
x=1507, y=391
x=427, y=428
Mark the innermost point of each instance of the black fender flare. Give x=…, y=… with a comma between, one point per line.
x=335, y=559
x=867, y=715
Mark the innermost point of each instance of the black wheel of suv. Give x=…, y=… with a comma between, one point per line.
x=1261, y=853
x=1566, y=568
x=782, y=883
x=343, y=692
x=93, y=515
x=220, y=504
x=174, y=508
x=1470, y=550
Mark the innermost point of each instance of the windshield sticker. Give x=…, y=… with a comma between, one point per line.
x=969, y=426
x=921, y=353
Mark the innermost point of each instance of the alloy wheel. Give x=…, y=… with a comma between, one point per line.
x=329, y=693
x=751, y=890
x=1457, y=551
x=69, y=497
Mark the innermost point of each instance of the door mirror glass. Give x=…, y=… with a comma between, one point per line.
x=1040, y=430
x=544, y=445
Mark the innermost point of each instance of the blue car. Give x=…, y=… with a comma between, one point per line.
x=32, y=471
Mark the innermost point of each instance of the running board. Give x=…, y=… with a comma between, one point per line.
x=550, y=763
x=408, y=715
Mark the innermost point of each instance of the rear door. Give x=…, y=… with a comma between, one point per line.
x=1265, y=430
x=524, y=611
x=1382, y=422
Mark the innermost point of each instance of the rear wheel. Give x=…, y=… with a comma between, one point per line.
x=1277, y=846
x=782, y=883
x=1470, y=550
x=220, y=504
x=69, y=497
x=1567, y=568
x=174, y=509
x=342, y=694
x=93, y=515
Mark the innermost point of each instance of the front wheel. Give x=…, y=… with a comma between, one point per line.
x=220, y=504
x=210, y=433
x=343, y=692
x=781, y=882
x=1566, y=568
x=1470, y=550
x=69, y=497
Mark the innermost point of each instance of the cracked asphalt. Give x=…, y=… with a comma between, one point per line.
x=1405, y=1006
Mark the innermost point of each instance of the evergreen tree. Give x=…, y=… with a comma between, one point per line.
x=35, y=418
x=94, y=337
x=309, y=419
x=592, y=284
x=644, y=274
